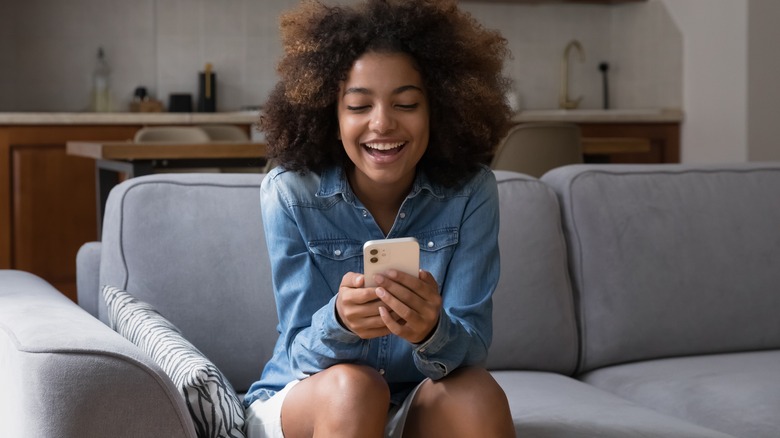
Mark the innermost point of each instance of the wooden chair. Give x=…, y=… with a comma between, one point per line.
x=171, y=133
x=535, y=148
x=180, y=134
x=225, y=132
x=230, y=133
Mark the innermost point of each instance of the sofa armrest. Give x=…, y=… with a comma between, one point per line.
x=66, y=374
x=88, y=277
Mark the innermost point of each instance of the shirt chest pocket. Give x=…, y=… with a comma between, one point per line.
x=336, y=257
x=436, y=250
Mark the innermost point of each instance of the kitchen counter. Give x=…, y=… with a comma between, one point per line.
x=56, y=118
x=664, y=115
x=249, y=117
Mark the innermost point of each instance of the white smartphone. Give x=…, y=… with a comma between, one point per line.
x=402, y=254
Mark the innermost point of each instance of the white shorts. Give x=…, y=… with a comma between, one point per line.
x=264, y=417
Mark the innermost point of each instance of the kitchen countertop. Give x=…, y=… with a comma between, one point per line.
x=552, y=115
x=52, y=118
x=664, y=115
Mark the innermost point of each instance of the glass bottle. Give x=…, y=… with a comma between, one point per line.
x=101, y=96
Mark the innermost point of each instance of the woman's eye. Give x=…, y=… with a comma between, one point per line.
x=362, y=108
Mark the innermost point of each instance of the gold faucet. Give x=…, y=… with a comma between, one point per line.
x=563, y=100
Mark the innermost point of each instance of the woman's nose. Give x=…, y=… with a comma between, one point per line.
x=382, y=120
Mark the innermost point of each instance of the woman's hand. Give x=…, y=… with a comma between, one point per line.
x=411, y=305
x=357, y=308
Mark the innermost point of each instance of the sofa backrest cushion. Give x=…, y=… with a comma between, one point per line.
x=672, y=260
x=533, y=312
x=192, y=246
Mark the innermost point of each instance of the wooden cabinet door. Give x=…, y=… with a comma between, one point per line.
x=53, y=212
x=47, y=198
x=664, y=140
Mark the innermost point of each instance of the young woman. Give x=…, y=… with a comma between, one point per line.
x=382, y=118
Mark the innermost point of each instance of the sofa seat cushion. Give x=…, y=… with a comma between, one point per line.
x=553, y=405
x=735, y=393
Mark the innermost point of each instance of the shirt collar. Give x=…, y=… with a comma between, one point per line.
x=333, y=181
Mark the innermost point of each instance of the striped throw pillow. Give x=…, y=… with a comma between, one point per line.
x=213, y=404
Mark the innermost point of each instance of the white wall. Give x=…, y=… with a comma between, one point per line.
x=5, y=52
x=537, y=36
x=162, y=44
x=647, y=53
x=715, y=42
x=638, y=40
x=763, y=80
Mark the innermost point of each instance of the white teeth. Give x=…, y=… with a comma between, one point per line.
x=384, y=146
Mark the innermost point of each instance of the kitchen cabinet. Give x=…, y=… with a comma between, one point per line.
x=613, y=136
x=663, y=141
x=47, y=198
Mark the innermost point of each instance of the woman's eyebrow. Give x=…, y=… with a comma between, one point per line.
x=400, y=90
x=367, y=92
x=357, y=90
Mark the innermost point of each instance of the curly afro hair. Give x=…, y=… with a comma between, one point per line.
x=459, y=60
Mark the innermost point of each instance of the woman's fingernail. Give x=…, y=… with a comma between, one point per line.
x=380, y=292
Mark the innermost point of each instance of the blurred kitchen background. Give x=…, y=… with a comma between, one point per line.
x=716, y=60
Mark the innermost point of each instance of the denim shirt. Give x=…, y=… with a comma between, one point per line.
x=315, y=228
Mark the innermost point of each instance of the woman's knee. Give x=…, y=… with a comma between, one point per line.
x=466, y=399
x=481, y=378
x=346, y=399
x=355, y=383
x=468, y=386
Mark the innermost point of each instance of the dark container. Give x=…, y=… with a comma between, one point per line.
x=207, y=92
x=180, y=103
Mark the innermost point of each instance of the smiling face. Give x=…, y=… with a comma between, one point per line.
x=383, y=122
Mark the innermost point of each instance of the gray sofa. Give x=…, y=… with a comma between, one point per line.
x=634, y=301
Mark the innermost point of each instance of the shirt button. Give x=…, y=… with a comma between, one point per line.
x=402, y=215
x=337, y=252
x=382, y=372
x=365, y=213
x=430, y=244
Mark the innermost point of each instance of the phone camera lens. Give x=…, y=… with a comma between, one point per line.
x=374, y=251
x=374, y=259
